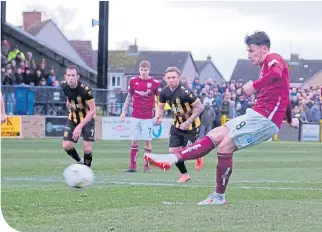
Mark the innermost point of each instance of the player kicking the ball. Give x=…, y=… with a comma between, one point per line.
x=186, y=110
x=259, y=123
x=143, y=90
x=80, y=120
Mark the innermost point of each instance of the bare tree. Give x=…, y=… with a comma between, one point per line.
x=63, y=17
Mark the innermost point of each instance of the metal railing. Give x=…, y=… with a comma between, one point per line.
x=45, y=100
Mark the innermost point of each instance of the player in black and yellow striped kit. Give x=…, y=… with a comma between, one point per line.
x=186, y=108
x=81, y=104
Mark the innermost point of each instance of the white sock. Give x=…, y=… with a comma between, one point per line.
x=220, y=194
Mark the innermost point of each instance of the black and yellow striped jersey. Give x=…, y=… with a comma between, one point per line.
x=78, y=99
x=181, y=101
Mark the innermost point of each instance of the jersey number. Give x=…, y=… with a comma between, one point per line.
x=240, y=125
x=150, y=129
x=92, y=132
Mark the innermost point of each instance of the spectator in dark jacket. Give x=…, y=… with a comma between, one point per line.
x=225, y=106
x=28, y=77
x=8, y=79
x=207, y=119
x=217, y=121
x=315, y=113
x=298, y=113
x=18, y=77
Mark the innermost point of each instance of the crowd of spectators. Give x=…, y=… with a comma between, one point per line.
x=18, y=68
x=228, y=99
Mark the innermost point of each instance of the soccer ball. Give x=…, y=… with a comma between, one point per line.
x=78, y=176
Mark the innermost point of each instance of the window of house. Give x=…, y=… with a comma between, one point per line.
x=115, y=81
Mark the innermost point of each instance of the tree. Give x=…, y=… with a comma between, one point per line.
x=63, y=17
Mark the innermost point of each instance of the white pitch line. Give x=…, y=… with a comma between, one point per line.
x=134, y=183
x=232, y=181
x=207, y=186
x=53, y=179
x=279, y=188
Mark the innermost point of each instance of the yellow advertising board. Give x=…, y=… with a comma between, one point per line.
x=11, y=127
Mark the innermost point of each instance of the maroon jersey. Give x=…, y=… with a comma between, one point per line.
x=144, y=92
x=273, y=90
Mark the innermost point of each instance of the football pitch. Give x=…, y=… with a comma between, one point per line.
x=276, y=186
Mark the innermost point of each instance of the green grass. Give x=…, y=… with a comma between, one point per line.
x=274, y=187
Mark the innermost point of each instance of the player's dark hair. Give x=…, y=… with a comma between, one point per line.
x=259, y=38
x=71, y=67
x=172, y=69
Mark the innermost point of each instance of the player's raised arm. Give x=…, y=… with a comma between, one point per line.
x=274, y=74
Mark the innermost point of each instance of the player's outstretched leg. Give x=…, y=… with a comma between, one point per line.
x=226, y=148
x=71, y=151
x=193, y=151
x=133, y=156
x=88, y=155
x=224, y=170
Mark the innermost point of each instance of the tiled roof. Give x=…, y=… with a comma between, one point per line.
x=85, y=51
x=300, y=71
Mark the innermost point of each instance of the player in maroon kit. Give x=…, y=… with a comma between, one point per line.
x=143, y=90
x=258, y=124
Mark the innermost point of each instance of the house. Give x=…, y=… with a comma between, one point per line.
x=49, y=33
x=124, y=65
x=315, y=80
x=161, y=60
x=207, y=69
x=85, y=51
x=28, y=42
x=300, y=70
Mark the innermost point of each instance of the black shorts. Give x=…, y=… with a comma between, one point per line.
x=181, y=138
x=88, y=131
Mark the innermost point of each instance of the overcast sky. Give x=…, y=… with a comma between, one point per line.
x=215, y=28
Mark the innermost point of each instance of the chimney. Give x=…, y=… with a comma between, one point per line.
x=30, y=19
x=209, y=58
x=133, y=49
x=294, y=57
